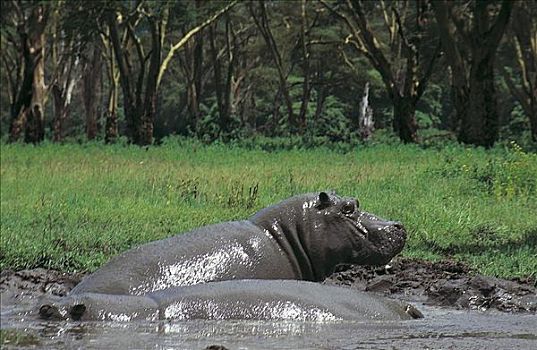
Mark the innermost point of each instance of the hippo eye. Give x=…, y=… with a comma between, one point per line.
x=348, y=208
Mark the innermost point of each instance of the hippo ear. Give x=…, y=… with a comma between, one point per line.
x=324, y=200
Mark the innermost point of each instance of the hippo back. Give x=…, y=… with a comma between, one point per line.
x=225, y=251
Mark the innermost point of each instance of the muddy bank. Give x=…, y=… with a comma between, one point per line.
x=26, y=284
x=445, y=283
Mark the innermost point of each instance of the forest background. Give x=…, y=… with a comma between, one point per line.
x=235, y=70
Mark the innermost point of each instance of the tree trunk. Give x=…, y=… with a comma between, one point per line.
x=22, y=105
x=306, y=88
x=28, y=110
x=404, y=120
x=62, y=92
x=473, y=88
x=228, y=87
x=191, y=69
x=111, y=127
x=91, y=85
x=61, y=111
x=145, y=131
x=129, y=101
x=198, y=66
x=365, y=119
x=223, y=91
x=479, y=121
x=217, y=78
x=319, y=105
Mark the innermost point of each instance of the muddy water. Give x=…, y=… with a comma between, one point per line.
x=443, y=283
x=440, y=329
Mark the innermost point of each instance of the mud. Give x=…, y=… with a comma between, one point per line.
x=27, y=284
x=446, y=283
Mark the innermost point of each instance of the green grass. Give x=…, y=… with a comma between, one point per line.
x=71, y=207
x=12, y=337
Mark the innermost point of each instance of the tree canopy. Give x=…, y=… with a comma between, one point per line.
x=223, y=70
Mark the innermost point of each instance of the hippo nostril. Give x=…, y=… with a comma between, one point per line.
x=77, y=311
x=399, y=226
x=49, y=312
x=45, y=311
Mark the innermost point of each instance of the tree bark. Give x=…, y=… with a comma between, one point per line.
x=194, y=70
x=129, y=102
x=472, y=77
x=145, y=131
x=28, y=111
x=91, y=90
x=62, y=90
x=61, y=111
x=479, y=121
x=111, y=124
x=404, y=121
x=306, y=88
x=111, y=127
x=217, y=78
x=139, y=105
x=365, y=119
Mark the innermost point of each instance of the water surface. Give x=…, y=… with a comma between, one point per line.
x=440, y=329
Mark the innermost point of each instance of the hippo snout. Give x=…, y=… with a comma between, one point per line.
x=397, y=226
x=385, y=239
x=389, y=235
x=381, y=225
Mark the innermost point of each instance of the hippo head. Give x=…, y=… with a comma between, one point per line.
x=324, y=230
x=96, y=306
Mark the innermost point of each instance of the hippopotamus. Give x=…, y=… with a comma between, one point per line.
x=301, y=238
x=235, y=299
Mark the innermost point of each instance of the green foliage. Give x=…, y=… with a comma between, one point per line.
x=18, y=338
x=72, y=207
x=426, y=121
x=518, y=129
x=508, y=174
x=334, y=122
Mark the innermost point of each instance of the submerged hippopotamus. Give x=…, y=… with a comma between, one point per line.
x=225, y=300
x=302, y=238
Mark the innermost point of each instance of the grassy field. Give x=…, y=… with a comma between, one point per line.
x=71, y=207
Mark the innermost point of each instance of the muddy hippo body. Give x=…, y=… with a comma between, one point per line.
x=231, y=250
x=303, y=238
x=241, y=299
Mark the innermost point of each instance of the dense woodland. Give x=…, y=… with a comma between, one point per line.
x=321, y=70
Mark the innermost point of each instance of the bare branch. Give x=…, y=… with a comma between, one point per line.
x=189, y=35
x=496, y=31
x=138, y=45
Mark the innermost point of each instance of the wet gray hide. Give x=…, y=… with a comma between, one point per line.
x=302, y=238
x=239, y=300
